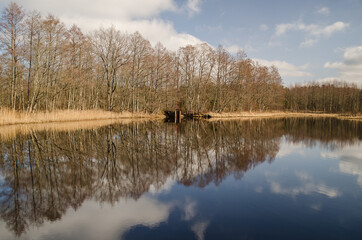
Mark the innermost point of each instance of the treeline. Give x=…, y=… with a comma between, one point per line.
x=329, y=97
x=46, y=66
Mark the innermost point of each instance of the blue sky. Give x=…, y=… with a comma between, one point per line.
x=307, y=40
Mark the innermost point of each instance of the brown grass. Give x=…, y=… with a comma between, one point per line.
x=8, y=117
x=9, y=132
x=13, y=123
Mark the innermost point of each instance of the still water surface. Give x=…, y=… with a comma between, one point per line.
x=259, y=179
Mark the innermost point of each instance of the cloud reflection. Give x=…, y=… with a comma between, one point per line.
x=189, y=210
x=108, y=222
x=350, y=160
x=307, y=185
x=199, y=229
x=289, y=148
x=164, y=188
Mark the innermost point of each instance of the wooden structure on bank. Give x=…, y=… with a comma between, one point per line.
x=176, y=116
x=173, y=116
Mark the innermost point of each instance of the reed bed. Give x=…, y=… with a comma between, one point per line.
x=10, y=132
x=13, y=123
x=8, y=117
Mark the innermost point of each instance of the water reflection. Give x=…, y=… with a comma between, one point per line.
x=349, y=160
x=45, y=174
x=306, y=184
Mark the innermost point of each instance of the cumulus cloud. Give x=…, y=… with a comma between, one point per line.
x=193, y=6
x=233, y=49
x=327, y=80
x=350, y=70
x=105, y=9
x=353, y=56
x=125, y=15
x=312, y=29
x=324, y=11
x=287, y=69
x=314, y=32
x=308, y=42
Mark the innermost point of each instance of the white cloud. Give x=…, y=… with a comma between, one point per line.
x=193, y=6
x=233, y=49
x=330, y=29
x=126, y=16
x=314, y=32
x=350, y=70
x=353, y=55
x=308, y=42
x=312, y=29
x=105, y=9
x=284, y=27
x=286, y=69
x=324, y=11
x=327, y=80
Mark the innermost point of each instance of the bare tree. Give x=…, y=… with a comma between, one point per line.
x=46, y=66
x=112, y=50
x=11, y=30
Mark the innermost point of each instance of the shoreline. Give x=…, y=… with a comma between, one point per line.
x=10, y=117
x=70, y=120
x=253, y=115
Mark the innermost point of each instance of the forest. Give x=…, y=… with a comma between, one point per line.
x=47, y=66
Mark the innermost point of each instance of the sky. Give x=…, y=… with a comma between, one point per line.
x=309, y=40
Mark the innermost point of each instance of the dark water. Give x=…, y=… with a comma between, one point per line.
x=260, y=179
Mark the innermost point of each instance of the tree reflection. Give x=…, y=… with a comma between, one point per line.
x=45, y=173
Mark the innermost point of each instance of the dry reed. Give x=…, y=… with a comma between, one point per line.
x=9, y=132
x=13, y=123
x=8, y=117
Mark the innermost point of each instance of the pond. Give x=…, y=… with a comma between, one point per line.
x=293, y=178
